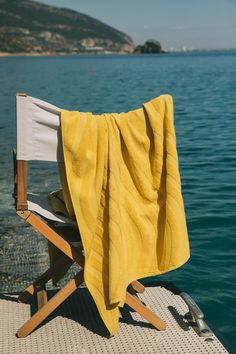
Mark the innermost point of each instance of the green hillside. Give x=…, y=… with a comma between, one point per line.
x=32, y=27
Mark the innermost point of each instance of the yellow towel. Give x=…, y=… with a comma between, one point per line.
x=123, y=185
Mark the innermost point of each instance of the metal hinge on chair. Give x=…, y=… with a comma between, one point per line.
x=24, y=214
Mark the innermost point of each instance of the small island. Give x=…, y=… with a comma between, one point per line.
x=150, y=47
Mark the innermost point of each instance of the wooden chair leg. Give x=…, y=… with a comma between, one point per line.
x=138, y=287
x=25, y=296
x=51, y=305
x=145, y=312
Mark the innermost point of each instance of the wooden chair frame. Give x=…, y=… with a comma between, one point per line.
x=45, y=307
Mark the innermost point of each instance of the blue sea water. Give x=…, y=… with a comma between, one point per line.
x=203, y=86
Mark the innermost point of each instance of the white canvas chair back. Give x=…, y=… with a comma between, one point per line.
x=38, y=138
x=38, y=130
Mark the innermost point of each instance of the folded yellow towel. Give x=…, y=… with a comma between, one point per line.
x=123, y=185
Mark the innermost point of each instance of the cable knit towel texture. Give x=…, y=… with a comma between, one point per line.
x=123, y=186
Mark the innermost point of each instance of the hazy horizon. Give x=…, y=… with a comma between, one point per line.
x=208, y=24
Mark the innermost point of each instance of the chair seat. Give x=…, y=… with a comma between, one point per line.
x=41, y=205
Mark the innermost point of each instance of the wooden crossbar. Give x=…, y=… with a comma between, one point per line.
x=51, y=305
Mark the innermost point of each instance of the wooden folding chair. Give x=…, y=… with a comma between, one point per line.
x=39, y=138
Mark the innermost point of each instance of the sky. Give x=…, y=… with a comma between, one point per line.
x=200, y=24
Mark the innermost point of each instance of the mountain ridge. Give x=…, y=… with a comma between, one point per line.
x=32, y=27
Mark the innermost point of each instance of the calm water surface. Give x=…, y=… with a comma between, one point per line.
x=204, y=89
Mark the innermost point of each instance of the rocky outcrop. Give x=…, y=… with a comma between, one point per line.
x=31, y=27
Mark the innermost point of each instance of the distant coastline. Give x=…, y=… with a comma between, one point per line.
x=55, y=54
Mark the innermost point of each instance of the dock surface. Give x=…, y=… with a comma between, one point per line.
x=75, y=327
